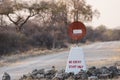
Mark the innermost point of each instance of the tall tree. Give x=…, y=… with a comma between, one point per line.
x=58, y=17
x=20, y=13
x=82, y=11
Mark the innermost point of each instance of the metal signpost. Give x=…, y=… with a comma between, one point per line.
x=76, y=59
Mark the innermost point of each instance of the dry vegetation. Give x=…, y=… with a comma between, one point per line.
x=32, y=37
x=14, y=59
x=44, y=30
x=105, y=62
x=45, y=24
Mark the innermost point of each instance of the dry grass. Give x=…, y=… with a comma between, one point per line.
x=104, y=62
x=6, y=60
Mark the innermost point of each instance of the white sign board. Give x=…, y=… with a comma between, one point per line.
x=77, y=31
x=76, y=60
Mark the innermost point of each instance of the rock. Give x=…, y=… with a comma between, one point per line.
x=39, y=76
x=93, y=78
x=6, y=76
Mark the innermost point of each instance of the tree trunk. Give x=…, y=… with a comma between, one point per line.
x=1, y=20
x=54, y=40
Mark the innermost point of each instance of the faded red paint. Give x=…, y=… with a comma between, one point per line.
x=74, y=26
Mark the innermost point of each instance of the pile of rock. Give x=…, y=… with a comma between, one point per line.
x=92, y=73
x=104, y=72
x=40, y=74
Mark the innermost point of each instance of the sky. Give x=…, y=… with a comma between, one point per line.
x=109, y=12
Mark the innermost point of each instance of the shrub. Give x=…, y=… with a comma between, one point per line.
x=38, y=39
x=11, y=42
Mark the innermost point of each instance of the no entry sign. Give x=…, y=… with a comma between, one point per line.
x=77, y=30
x=76, y=60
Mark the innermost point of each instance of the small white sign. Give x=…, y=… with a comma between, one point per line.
x=76, y=60
x=77, y=31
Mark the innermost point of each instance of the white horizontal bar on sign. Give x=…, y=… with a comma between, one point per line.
x=77, y=31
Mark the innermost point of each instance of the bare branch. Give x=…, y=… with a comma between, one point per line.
x=16, y=23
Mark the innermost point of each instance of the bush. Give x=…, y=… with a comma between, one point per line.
x=11, y=42
x=38, y=39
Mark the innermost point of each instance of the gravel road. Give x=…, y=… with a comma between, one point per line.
x=100, y=53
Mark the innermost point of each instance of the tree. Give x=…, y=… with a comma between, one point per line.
x=90, y=34
x=2, y=20
x=79, y=10
x=57, y=19
x=99, y=32
x=116, y=34
x=4, y=10
x=20, y=13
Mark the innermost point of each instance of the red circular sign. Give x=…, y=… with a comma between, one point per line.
x=77, y=30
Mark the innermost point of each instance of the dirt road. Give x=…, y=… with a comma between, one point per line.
x=97, y=54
